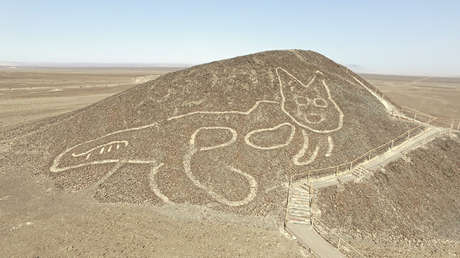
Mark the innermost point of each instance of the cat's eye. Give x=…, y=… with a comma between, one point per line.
x=302, y=100
x=320, y=102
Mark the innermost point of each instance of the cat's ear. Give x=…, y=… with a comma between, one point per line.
x=291, y=91
x=319, y=85
x=289, y=85
x=309, y=104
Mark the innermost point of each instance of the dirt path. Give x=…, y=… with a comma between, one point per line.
x=381, y=160
x=308, y=236
x=306, y=232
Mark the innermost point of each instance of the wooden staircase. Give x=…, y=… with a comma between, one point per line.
x=360, y=172
x=299, y=204
x=299, y=221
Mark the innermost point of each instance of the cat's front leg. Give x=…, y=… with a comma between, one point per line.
x=313, y=148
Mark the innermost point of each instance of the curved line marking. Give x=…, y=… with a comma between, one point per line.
x=251, y=181
x=102, y=150
x=330, y=147
x=335, y=104
x=154, y=186
x=303, y=150
x=229, y=142
x=56, y=162
x=283, y=101
x=388, y=106
x=310, y=82
x=224, y=112
x=291, y=136
x=109, y=174
x=55, y=169
x=315, y=103
x=314, y=122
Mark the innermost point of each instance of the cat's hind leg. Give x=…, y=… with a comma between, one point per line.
x=153, y=183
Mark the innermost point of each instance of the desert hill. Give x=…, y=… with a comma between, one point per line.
x=227, y=134
x=409, y=208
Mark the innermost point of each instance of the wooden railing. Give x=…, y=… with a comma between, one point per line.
x=349, y=165
x=333, y=237
x=319, y=226
x=287, y=202
x=415, y=115
x=409, y=114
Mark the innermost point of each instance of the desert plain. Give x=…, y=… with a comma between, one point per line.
x=31, y=93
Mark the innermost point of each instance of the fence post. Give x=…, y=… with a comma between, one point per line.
x=351, y=165
x=458, y=126
x=392, y=142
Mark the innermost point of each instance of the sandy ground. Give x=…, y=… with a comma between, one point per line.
x=433, y=95
x=28, y=94
x=37, y=219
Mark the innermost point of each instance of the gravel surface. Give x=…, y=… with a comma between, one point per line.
x=410, y=208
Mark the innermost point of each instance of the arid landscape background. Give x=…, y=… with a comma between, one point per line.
x=229, y=129
x=437, y=96
x=32, y=206
x=32, y=93
x=27, y=94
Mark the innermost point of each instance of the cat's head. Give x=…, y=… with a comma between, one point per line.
x=309, y=104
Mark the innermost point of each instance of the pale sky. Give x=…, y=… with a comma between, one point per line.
x=393, y=37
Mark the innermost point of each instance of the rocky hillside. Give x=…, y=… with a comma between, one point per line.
x=409, y=209
x=225, y=134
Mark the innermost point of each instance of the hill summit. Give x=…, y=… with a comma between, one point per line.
x=227, y=134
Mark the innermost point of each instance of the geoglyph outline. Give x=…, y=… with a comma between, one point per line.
x=192, y=149
x=277, y=146
x=218, y=197
x=283, y=101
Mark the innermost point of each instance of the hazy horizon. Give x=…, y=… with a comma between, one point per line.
x=64, y=65
x=391, y=37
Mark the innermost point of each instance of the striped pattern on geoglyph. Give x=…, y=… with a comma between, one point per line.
x=195, y=136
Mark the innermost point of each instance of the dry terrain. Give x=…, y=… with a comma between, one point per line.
x=226, y=135
x=194, y=163
x=433, y=95
x=27, y=94
x=39, y=220
x=409, y=208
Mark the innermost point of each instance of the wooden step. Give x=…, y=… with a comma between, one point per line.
x=302, y=199
x=305, y=188
x=297, y=218
x=305, y=212
x=299, y=222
